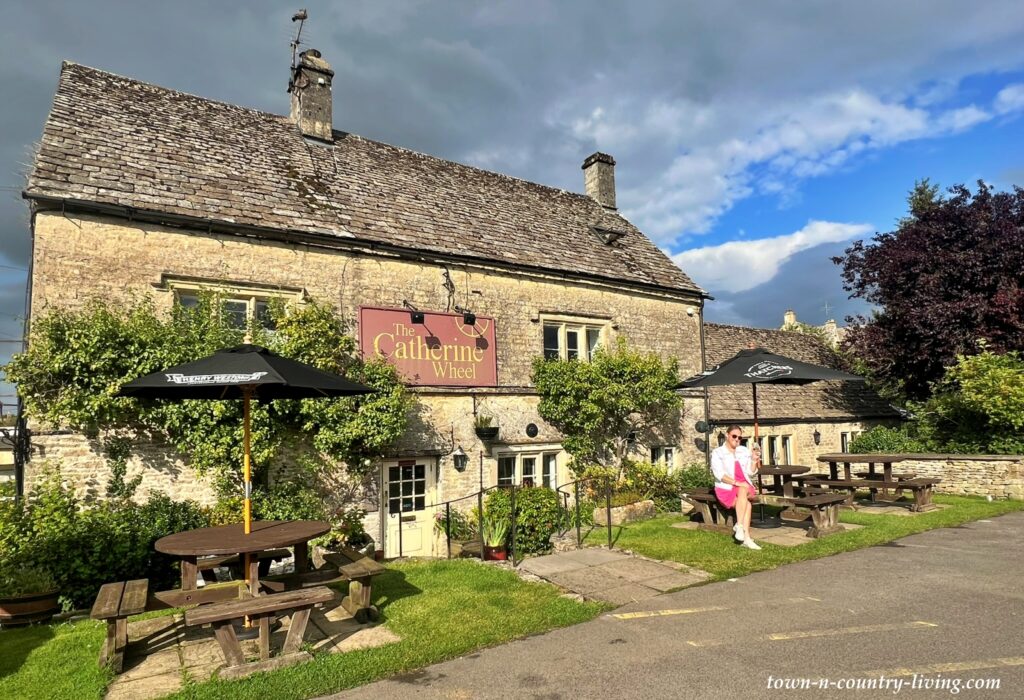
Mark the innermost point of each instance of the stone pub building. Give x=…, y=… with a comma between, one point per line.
x=458, y=275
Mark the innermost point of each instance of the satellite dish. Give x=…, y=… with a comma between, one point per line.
x=701, y=426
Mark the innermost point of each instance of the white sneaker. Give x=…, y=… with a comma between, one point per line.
x=750, y=544
x=737, y=532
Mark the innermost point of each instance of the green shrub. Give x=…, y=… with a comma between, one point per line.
x=623, y=497
x=83, y=548
x=23, y=580
x=694, y=476
x=595, y=480
x=288, y=500
x=654, y=482
x=463, y=525
x=538, y=516
x=883, y=440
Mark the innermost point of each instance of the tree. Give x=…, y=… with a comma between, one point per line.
x=978, y=407
x=77, y=360
x=950, y=274
x=597, y=404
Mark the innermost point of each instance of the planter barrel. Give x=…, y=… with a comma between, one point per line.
x=495, y=554
x=26, y=609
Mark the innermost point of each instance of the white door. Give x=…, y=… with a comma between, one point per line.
x=409, y=490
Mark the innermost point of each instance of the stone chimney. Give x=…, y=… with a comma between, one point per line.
x=599, y=179
x=789, y=318
x=310, y=87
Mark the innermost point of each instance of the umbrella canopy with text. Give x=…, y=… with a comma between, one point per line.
x=242, y=372
x=758, y=366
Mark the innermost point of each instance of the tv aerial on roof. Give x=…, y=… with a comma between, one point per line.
x=301, y=16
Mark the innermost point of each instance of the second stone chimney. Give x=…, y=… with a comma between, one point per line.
x=789, y=318
x=599, y=179
x=310, y=87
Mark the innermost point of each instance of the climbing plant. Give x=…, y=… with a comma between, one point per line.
x=78, y=358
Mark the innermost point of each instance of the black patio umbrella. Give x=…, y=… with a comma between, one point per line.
x=242, y=372
x=758, y=366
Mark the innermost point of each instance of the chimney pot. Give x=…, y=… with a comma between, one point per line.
x=310, y=88
x=789, y=318
x=599, y=179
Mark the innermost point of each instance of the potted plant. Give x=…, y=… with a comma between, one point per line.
x=495, y=532
x=485, y=430
x=27, y=594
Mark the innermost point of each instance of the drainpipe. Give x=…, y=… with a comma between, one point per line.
x=707, y=398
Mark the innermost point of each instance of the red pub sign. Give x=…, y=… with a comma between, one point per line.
x=441, y=351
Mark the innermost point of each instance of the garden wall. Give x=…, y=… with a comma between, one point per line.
x=998, y=476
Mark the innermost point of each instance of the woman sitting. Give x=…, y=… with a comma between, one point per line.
x=734, y=466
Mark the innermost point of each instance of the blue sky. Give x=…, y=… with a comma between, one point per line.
x=754, y=140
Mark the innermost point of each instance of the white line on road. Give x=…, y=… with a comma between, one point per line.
x=950, y=667
x=709, y=608
x=830, y=632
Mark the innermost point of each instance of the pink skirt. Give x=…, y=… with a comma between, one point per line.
x=727, y=497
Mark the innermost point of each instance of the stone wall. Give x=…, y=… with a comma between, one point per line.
x=998, y=476
x=83, y=257
x=804, y=450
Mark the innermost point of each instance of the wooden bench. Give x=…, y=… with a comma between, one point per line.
x=260, y=608
x=206, y=565
x=114, y=603
x=824, y=512
x=922, y=489
x=714, y=515
x=344, y=565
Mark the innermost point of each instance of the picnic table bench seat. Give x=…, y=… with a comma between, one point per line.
x=114, y=603
x=260, y=608
x=824, y=509
x=346, y=564
x=714, y=515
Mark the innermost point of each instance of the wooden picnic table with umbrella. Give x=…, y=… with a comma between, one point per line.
x=243, y=372
x=759, y=366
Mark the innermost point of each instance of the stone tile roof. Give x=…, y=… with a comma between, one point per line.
x=819, y=400
x=116, y=141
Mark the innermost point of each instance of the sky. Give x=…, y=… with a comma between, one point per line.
x=753, y=140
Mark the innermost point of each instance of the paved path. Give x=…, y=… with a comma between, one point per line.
x=611, y=575
x=946, y=604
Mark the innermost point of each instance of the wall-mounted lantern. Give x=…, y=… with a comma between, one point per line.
x=817, y=437
x=460, y=458
x=415, y=315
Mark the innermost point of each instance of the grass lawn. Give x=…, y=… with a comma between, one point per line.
x=440, y=609
x=719, y=555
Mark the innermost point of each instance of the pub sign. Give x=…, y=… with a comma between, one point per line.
x=441, y=351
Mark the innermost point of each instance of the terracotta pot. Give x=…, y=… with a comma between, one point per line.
x=26, y=609
x=495, y=554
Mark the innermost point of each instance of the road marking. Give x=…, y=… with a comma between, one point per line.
x=951, y=667
x=781, y=636
x=709, y=608
x=835, y=631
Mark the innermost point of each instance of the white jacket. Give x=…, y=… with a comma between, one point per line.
x=723, y=463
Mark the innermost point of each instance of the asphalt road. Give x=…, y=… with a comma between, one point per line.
x=945, y=607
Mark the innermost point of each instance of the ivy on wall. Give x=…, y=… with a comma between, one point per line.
x=77, y=360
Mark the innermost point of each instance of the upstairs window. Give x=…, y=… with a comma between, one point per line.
x=238, y=311
x=664, y=454
x=240, y=303
x=573, y=340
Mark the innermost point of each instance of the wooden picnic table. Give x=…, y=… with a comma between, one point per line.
x=231, y=539
x=849, y=459
x=782, y=477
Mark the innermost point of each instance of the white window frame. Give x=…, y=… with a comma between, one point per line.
x=582, y=325
x=787, y=448
x=538, y=454
x=658, y=455
x=249, y=294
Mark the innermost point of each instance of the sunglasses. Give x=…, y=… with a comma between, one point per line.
x=736, y=436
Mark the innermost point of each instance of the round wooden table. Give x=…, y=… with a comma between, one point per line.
x=782, y=477
x=231, y=539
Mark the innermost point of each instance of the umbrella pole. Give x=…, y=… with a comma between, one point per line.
x=763, y=523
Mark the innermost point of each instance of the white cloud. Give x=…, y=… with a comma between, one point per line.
x=1010, y=99
x=740, y=265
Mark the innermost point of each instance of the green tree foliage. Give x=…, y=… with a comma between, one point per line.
x=883, y=440
x=596, y=404
x=538, y=516
x=950, y=273
x=978, y=407
x=77, y=360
